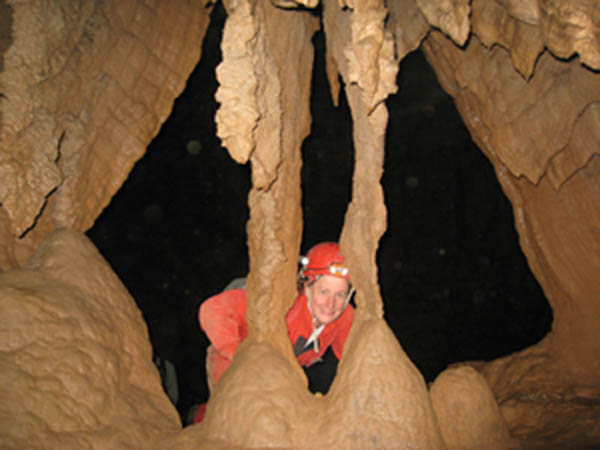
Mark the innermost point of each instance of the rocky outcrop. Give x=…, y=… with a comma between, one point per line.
x=467, y=411
x=539, y=129
x=85, y=86
x=76, y=359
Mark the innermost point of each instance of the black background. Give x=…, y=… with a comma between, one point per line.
x=455, y=283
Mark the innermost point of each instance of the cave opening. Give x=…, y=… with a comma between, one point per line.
x=175, y=233
x=454, y=281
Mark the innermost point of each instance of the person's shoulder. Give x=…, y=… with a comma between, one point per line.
x=229, y=296
x=299, y=303
x=234, y=294
x=348, y=314
x=236, y=283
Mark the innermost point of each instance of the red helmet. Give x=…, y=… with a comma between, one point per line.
x=324, y=259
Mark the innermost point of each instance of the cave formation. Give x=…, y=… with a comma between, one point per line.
x=454, y=281
x=81, y=104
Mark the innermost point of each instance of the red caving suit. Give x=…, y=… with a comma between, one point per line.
x=223, y=319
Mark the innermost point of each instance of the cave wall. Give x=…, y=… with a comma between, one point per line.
x=86, y=87
x=527, y=91
x=75, y=356
x=548, y=169
x=85, y=93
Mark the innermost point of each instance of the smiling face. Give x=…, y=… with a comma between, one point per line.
x=328, y=298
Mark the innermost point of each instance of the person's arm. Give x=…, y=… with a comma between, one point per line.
x=223, y=319
x=345, y=322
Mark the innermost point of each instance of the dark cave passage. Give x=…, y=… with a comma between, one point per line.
x=455, y=283
x=175, y=233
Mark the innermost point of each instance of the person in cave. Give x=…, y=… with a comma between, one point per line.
x=320, y=317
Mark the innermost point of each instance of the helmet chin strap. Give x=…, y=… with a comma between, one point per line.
x=349, y=296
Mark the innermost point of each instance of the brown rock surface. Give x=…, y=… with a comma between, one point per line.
x=538, y=135
x=467, y=411
x=76, y=359
x=262, y=400
x=85, y=88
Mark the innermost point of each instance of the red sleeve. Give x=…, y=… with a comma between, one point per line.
x=344, y=322
x=223, y=319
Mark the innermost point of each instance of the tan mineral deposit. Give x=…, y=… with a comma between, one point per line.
x=85, y=86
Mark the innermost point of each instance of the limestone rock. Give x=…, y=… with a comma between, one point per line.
x=366, y=214
x=261, y=401
x=76, y=359
x=514, y=133
x=409, y=26
x=87, y=86
x=467, y=411
x=539, y=137
x=450, y=16
x=524, y=28
x=238, y=114
x=379, y=399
